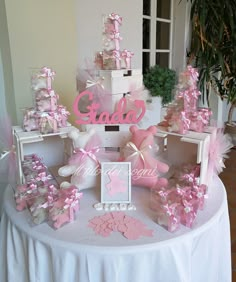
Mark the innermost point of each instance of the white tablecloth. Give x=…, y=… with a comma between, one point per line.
x=76, y=253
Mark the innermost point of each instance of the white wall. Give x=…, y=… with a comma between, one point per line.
x=42, y=33
x=89, y=27
x=6, y=80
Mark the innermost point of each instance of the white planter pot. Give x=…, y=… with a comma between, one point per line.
x=153, y=113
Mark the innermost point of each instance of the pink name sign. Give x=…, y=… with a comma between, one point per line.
x=118, y=117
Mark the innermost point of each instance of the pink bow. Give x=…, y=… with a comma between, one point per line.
x=163, y=193
x=115, y=17
x=195, y=94
x=188, y=207
x=39, y=167
x=49, y=75
x=127, y=54
x=62, y=110
x=91, y=153
x=47, y=72
x=72, y=203
x=48, y=202
x=43, y=177
x=133, y=153
x=116, y=54
x=52, y=189
x=115, y=35
x=193, y=72
x=170, y=209
x=33, y=186
x=56, y=116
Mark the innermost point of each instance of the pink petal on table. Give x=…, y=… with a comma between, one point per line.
x=96, y=220
x=129, y=219
x=118, y=215
x=106, y=216
x=92, y=225
x=122, y=227
x=131, y=234
x=105, y=232
x=147, y=232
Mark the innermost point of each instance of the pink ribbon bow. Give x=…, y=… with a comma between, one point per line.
x=170, y=209
x=48, y=203
x=72, y=203
x=32, y=186
x=115, y=35
x=193, y=72
x=47, y=72
x=115, y=17
x=90, y=153
x=43, y=177
x=49, y=75
x=163, y=194
x=127, y=54
x=133, y=153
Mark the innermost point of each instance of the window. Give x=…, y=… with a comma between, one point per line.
x=157, y=33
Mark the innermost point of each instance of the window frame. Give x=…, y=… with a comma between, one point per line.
x=153, y=21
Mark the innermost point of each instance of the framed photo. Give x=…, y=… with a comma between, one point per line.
x=115, y=182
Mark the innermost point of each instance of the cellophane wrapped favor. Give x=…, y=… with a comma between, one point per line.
x=41, y=195
x=179, y=202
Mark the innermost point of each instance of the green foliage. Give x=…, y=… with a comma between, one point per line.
x=160, y=82
x=213, y=46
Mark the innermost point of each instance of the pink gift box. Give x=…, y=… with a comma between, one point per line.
x=47, y=124
x=188, y=212
x=63, y=210
x=169, y=217
x=24, y=196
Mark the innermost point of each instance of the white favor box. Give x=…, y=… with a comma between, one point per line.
x=121, y=81
x=111, y=135
x=53, y=148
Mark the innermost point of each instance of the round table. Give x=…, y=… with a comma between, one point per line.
x=75, y=253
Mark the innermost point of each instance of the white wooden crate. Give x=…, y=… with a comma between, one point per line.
x=174, y=149
x=53, y=148
x=121, y=81
x=112, y=135
x=178, y=149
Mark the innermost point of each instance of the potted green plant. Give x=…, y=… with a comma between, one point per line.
x=160, y=81
x=212, y=50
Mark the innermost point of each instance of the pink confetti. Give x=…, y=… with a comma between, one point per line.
x=130, y=227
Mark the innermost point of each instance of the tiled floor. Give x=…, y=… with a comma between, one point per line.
x=228, y=177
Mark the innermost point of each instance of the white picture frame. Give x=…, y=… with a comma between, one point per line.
x=115, y=182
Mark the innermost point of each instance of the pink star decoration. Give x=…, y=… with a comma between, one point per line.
x=116, y=184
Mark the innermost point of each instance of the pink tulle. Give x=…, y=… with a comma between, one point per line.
x=133, y=95
x=220, y=145
x=88, y=79
x=92, y=151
